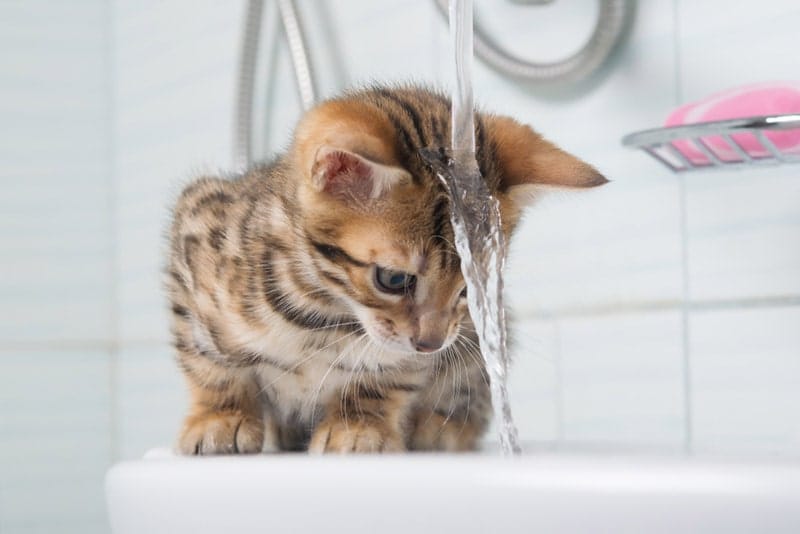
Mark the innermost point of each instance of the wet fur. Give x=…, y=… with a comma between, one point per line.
x=283, y=339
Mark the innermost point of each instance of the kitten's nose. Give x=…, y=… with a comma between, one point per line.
x=430, y=329
x=429, y=344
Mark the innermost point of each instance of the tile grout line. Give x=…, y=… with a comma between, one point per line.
x=685, y=323
x=610, y=310
x=559, y=383
x=114, y=318
x=83, y=344
x=623, y=308
x=684, y=230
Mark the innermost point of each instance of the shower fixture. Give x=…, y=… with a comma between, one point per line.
x=612, y=21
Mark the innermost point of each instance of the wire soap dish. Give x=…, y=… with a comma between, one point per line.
x=727, y=144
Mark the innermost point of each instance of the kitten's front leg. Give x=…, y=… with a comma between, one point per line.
x=225, y=414
x=364, y=419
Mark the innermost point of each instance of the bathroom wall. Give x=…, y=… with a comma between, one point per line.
x=56, y=283
x=658, y=312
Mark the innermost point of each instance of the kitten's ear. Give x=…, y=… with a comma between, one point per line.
x=527, y=160
x=347, y=176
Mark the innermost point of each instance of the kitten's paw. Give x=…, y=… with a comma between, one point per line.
x=439, y=433
x=221, y=433
x=354, y=436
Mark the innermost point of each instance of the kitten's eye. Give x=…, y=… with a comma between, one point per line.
x=390, y=281
x=463, y=293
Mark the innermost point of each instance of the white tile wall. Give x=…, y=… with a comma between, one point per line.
x=744, y=234
x=745, y=382
x=109, y=106
x=534, y=383
x=622, y=379
x=55, y=279
x=55, y=440
x=372, y=51
x=152, y=399
x=174, y=86
x=56, y=287
x=723, y=46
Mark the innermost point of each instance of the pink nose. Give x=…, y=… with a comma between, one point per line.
x=429, y=345
x=430, y=331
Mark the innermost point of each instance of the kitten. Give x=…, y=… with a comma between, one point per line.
x=318, y=301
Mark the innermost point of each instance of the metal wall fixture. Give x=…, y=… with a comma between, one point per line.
x=243, y=120
x=609, y=30
x=612, y=20
x=714, y=145
x=301, y=64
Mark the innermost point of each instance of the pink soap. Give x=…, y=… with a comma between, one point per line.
x=753, y=100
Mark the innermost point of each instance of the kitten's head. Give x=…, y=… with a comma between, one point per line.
x=378, y=219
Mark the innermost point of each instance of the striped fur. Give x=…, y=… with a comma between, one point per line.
x=284, y=338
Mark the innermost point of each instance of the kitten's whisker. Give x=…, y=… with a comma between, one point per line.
x=452, y=251
x=333, y=326
x=439, y=367
x=345, y=392
x=314, y=399
x=473, y=351
x=306, y=359
x=469, y=395
x=456, y=381
x=362, y=375
x=333, y=364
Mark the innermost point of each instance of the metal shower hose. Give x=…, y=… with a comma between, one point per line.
x=608, y=31
x=304, y=76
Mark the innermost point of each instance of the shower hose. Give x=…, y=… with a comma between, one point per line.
x=612, y=20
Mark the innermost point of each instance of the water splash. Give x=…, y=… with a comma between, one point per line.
x=475, y=215
x=480, y=243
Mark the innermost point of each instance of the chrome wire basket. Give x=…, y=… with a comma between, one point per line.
x=728, y=144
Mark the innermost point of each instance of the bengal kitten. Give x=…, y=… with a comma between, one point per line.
x=318, y=301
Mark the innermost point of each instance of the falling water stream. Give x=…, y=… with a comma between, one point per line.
x=475, y=215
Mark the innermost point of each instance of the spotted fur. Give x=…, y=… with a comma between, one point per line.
x=285, y=339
